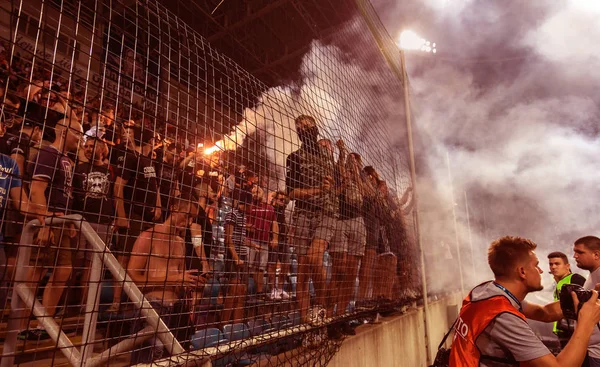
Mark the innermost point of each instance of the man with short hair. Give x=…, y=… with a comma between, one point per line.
x=137, y=198
x=587, y=257
x=561, y=271
x=93, y=186
x=157, y=266
x=491, y=327
x=236, y=256
x=52, y=192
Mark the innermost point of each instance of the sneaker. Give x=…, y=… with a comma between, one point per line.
x=33, y=335
x=314, y=339
x=316, y=315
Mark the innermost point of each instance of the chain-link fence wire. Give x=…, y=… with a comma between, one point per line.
x=258, y=222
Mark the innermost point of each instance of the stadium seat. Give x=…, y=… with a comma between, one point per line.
x=295, y=319
x=207, y=338
x=234, y=332
x=258, y=327
x=279, y=322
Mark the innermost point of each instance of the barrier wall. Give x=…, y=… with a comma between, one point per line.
x=399, y=341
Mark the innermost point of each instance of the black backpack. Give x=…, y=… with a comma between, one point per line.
x=442, y=357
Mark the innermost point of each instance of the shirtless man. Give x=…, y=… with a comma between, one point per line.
x=157, y=267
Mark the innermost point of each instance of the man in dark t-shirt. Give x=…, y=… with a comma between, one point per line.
x=310, y=181
x=52, y=191
x=168, y=178
x=93, y=183
x=93, y=189
x=136, y=178
x=137, y=199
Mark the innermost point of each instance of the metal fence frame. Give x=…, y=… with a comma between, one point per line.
x=23, y=302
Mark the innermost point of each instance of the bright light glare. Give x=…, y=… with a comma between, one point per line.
x=409, y=40
x=218, y=146
x=210, y=151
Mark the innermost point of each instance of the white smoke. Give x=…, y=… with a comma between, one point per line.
x=339, y=92
x=273, y=121
x=511, y=95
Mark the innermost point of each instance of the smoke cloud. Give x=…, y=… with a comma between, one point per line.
x=511, y=97
x=350, y=97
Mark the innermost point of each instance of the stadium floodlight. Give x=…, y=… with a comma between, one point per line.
x=409, y=40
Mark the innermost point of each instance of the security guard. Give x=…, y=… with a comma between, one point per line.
x=561, y=271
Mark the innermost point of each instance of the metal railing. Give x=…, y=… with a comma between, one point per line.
x=23, y=303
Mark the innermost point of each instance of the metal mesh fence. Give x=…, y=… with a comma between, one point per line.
x=191, y=211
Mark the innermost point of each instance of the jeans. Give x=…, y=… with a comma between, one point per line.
x=3, y=280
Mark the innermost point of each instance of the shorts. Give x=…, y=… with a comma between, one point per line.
x=350, y=237
x=308, y=227
x=281, y=254
x=177, y=318
x=258, y=258
x=104, y=231
x=372, y=229
x=594, y=362
x=60, y=253
x=126, y=238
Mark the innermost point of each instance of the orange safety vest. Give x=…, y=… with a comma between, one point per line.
x=474, y=317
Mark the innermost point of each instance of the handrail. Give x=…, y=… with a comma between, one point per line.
x=23, y=300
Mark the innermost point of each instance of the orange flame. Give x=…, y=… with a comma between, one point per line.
x=211, y=150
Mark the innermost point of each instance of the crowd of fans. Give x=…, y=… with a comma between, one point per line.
x=182, y=226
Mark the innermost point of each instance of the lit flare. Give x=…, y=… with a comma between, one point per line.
x=211, y=150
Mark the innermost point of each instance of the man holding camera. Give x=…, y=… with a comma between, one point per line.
x=587, y=256
x=491, y=328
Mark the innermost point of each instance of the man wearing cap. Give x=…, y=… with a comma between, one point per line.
x=137, y=198
x=93, y=187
